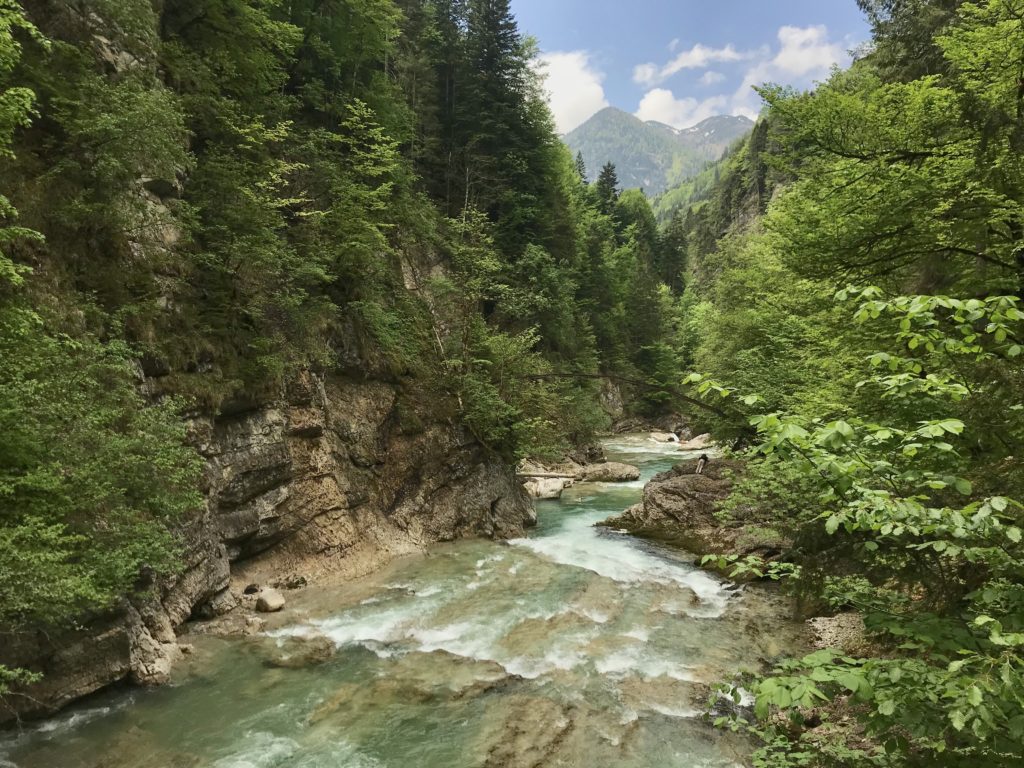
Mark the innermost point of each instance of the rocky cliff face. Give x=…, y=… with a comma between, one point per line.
x=336, y=478
x=679, y=507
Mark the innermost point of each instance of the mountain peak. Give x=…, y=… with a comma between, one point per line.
x=650, y=155
x=606, y=115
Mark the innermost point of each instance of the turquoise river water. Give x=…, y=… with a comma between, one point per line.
x=577, y=646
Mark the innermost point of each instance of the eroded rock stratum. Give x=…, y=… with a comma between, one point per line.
x=335, y=478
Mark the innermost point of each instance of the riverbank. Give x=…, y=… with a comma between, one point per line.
x=330, y=482
x=684, y=508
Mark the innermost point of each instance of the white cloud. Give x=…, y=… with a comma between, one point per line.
x=698, y=57
x=711, y=78
x=646, y=74
x=745, y=100
x=805, y=54
x=662, y=105
x=806, y=50
x=802, y=55
x=575, y=87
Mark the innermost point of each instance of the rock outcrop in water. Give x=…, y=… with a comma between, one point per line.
x=610, y=472
x=546, y=488
x=679, y=507
x=334, y=478
x=547, y=481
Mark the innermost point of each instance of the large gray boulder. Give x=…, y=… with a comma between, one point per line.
x=610, y=472
x=679, y=507
x=269, y=601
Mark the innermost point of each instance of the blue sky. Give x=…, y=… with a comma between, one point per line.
x=680, y=61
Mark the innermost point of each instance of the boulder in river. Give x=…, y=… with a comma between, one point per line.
x=546, y=487
x=699, y=443
x=547, y=481
x=665, y=437
x=679, y=508
x=270, y=601
x=610, y=472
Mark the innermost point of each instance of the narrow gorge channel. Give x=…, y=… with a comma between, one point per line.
x=577, y=646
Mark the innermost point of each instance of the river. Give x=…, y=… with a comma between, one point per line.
x=578, y=647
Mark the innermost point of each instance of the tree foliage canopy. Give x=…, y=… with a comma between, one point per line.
x=869, y=327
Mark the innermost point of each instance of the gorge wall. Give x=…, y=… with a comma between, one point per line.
x=335, y=479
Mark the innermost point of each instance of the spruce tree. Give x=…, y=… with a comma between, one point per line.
x=905, y=34
x=671, y=255
x=608, y=189
x=581, y=166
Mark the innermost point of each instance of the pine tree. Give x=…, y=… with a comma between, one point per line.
x=581, y=166
x=608, y=189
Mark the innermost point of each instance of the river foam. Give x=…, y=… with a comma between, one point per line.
x=622, y=559
x=266, y=750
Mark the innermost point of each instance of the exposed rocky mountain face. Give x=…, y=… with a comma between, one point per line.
x=652, y=156
x=337, y=477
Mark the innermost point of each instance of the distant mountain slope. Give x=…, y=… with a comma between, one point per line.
x=652, y=156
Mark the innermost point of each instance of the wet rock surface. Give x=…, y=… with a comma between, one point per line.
x=301, y=652
x=549, y=480
x=546, y=487
x=530, y=732
x=699, y=443
x=270, y=601
x=610, y=472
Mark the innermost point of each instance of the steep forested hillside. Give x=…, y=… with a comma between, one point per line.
x=698, y=188
x=209, y=205
x=855, y=285
x=203, y=201
x=652, y=156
